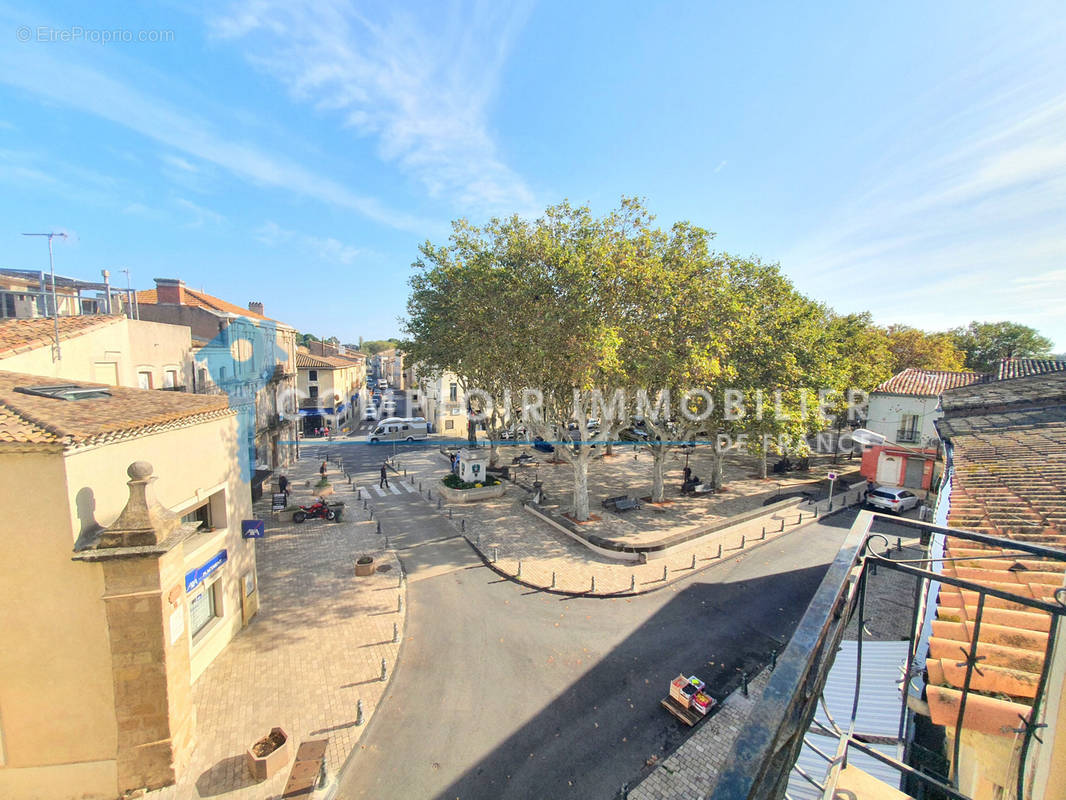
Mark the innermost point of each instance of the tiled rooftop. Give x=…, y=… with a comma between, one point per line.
x=926, y=382
x=1024, y=367
x=201, y=300
x=20, y=335
x=310, y=361
x=31, y=419
x=1008, y=444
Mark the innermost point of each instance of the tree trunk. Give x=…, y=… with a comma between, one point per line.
x=580, y=465
x=762, y=462
x=658, y=470
x=716, y=472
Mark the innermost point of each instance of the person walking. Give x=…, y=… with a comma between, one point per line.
x=322, y=469
x=384, y=482
x=283, y=486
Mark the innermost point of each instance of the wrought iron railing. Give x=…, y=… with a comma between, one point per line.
x=766, y=752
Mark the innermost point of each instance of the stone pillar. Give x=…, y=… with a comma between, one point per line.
x=143, y=569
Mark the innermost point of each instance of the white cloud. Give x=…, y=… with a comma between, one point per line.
x=421, y=85
x=178, y=163
x=77, y=86
x=200, y=214
x=326, y=248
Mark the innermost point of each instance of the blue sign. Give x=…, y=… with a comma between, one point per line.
x=252, y=528
x=195, y=577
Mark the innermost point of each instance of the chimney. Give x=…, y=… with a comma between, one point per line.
x=255, y=307
x=170, y=290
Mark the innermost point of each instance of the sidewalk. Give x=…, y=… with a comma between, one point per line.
x=310, y=654
x=521, y=546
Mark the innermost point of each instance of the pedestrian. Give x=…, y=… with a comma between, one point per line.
x=316, y=431
x=451, y=462
x=869, y=488
x=322, y=469
x=384, y=477
x=283, y=486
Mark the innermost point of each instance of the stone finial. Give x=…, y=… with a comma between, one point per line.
x=143, y=522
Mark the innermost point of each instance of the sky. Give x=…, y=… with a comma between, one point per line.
x=907, y=159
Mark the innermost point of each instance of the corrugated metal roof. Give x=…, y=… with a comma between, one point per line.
x=878, y=713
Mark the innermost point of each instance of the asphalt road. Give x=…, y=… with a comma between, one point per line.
x=506, y=692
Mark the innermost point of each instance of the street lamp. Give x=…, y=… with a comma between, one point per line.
x=52, y=269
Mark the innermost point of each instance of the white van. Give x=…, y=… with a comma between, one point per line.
x=399, y=429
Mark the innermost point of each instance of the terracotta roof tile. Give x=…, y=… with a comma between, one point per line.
x=32, y=419
x=1024, y=367
x=1008, y=455
x=202, y=300
x=927, y=382
x=20, y=335
x=309, y=361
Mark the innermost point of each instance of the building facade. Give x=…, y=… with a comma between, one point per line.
x=140, y=577
x=904, y=409
x=442, y=399
x=332, y=391
x=243, y=354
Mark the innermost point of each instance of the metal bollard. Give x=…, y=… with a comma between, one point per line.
x=744, y=683
x=371, y=512
x=664, y=572
x=719, y=550
x=420, y=487
x=440, y=504
x=495, y=554
x=800, y=518
x=479, y=540
x=782, y=525
x=553, y=580
x=379, y=526
x=358, y=712
x=899, y=544
x=693, y=561
x=395, y=633
x=593, y=589
x=405, y=472
x=429, y=494
x=449, y=513
x=399, y=604
x=519, y=573
x=763, y=532
x=773, y=660
x=462, y=525
x=743, y=541
x=385, y=670
x=632, y=583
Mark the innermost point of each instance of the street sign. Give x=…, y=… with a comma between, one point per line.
x=832, y=476
x=252, y=528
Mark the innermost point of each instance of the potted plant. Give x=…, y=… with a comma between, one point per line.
x=269, y=755
x=364, y=565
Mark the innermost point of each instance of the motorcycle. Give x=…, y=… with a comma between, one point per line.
x=317, y=510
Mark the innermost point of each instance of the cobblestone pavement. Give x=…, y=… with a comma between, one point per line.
x=692, y=770
x=520, y=545
x=310, y=654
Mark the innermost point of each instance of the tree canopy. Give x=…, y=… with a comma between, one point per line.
x=985, y=343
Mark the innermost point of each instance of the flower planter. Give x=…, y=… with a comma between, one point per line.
x=269, y=755
x=364, y=565
x=470, y=495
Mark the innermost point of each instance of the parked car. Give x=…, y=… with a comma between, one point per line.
x=890, y=499
x=633, y=434
x=543, y=446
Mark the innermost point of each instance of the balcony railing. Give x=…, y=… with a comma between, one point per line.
x=765, y=753
x=906, y=436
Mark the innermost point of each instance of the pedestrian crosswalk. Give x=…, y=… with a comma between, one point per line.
x=397, y=487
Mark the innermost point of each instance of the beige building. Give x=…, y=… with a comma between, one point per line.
x=126, y=575
x=441, y=398
x=332, y=390
x=26, y=293
x=244, y=354
x=105, y=349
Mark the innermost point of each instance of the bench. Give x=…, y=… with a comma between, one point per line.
x=621, y=503
x=308, y=771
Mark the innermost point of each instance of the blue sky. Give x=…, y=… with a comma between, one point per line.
x=908, y=158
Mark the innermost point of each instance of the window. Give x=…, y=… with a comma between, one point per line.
x=205, y=607
x=170, y=379
x=312, y=375
x=449, y=424
x=312, y=392
x=201, y=514
x=908, y=428
x=453, y=392
x=144, y=380
x=201, y=380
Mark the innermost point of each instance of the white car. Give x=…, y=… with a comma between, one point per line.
x=890, y=499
